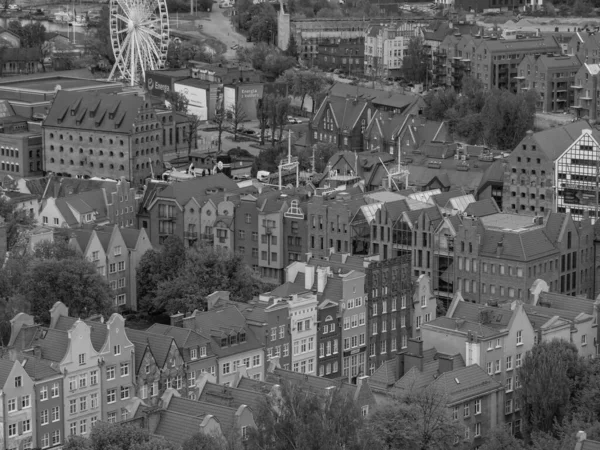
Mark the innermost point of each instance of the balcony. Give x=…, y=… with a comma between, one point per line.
x=207, y=237
x=575, y=86
x=190, y=234
x=166, y=217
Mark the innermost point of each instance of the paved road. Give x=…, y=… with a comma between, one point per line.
x=217, y=26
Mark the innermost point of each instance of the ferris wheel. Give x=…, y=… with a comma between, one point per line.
x=139, y=32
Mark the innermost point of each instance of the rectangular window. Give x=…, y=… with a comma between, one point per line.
x=125, y=392
x=111, y=395
x=466, y=410
x=55, y=414
x=12, y=405
x=93, y=377
x=44, y=393
x=44, y=417
x=26, y=402
x=56, y=437
x=509, y=363
x=124, y=369
x=520, y=337
x=478, y=406
x=518, y=360
x=94, y=400
x=110, y=373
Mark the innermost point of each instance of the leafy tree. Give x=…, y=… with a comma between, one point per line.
x=190, y=133
x=59, y=249
x=551, y=377
x=501, y=439
x=303, y=83
x=33, y=35
x=263, y=23
x=582, y=8
x=205, y=271
x=106, y=436
x=157, y=266
x=414, y=63
x=73, y=281
x=302, y=419
x=98, y=43
x=237, y=115
x=265, y=57
x=17, y=221
x=420, y=420
x=202, y=441
x=292, y=48
x=205, y=5
x=263, y=112
x=221, y=120
x=178, y=102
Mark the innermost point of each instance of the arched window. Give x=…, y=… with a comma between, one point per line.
x=121, y=155
x=52, y=160
x=112, y=166
x=71, y=162
x=62, y=161
x=121, y=167
x=101, y=165
x=91, y=151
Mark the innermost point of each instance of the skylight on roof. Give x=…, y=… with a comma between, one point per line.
x=457, y=381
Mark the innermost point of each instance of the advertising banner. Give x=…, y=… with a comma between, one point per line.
x=158, y=84
x=197, y=99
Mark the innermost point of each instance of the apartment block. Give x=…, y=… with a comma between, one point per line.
x=345, y=55
x=585, y=98
x=552, y=78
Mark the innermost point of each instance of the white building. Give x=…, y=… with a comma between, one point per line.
x=386, y=45
x=576, y=173
x=303, y=321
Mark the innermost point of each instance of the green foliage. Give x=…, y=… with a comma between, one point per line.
x=582, y=8
x=105, y=436
x=414, y=63
x=267, y=58
x=421, y=420
x=17, y=222
x=501, y=439
x=292, y=48
x=303, y=420
x=98, y=44
x=202, y=441
x=179, y=53
x=552, y=375
x=177, y=279
x=57, y=250
x=178, y=101
x=496, y=118
x=262, y=23
x=303, y=83
x=33, y=35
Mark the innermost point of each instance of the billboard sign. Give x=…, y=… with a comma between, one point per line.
x=580, y=196
x=196, y=97
x=158, y=84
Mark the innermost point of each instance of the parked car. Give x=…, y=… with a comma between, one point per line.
x=291, y=119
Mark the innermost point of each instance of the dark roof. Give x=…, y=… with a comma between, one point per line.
x=98, y=330
x=19, y=54
x=6, y=366
x=185, y=339
x=590, y=445
x=159, y=345
x=198, y=188
x=442, y=199
x=61, y=187
x=53, y=343
x=310, y=382
x=250, y=384
x=130, y=236
x=94, y=111
x=482, y=208
x=224, y=414
x=566, y=302
x=520, y=246
x=176, y=427
x=466, y=382
x=554, y=141
x=231, y=397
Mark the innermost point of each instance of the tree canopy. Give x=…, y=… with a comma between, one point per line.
x=106, y=436
x=54, y=272
x=414, y=63
x=497, y=118
x=177, y=279
x=266, y=57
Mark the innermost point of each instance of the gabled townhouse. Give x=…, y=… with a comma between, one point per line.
x=278, y=342
x=74, y=211
x=169, y=211
x=493, y=338
x=76, y=358
x=472, y=396
x=585, y=86
x=116, y=356
x=159, y=365
x=18, y=406
x=116, y=253
x=341, y=121
x=328, y=224
x=47, y=399
x=271, y=259
x=328, y=338
x=335, y=280
x=234, y=343
x=196, y=349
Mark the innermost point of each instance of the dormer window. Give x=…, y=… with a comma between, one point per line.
x=233, y=339
x=242, y=337
x=223, y=342
x=202, y=352
x=193, y=354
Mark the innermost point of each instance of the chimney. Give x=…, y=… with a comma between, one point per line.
x=59, y=309
x=581, y=438
x=321, y=279
x=309, y=277
x=361, y=380
x=16, y=323
x=445, y=364
x=177, y=320
x=37, y=351
x=413, y=357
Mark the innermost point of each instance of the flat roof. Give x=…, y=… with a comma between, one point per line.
x=508, y=222
x=49, y=84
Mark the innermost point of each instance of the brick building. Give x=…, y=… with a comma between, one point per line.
x=346, y=55
x=552, y=77
x=88, y=135
x=585, y=85
x=498, y=257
